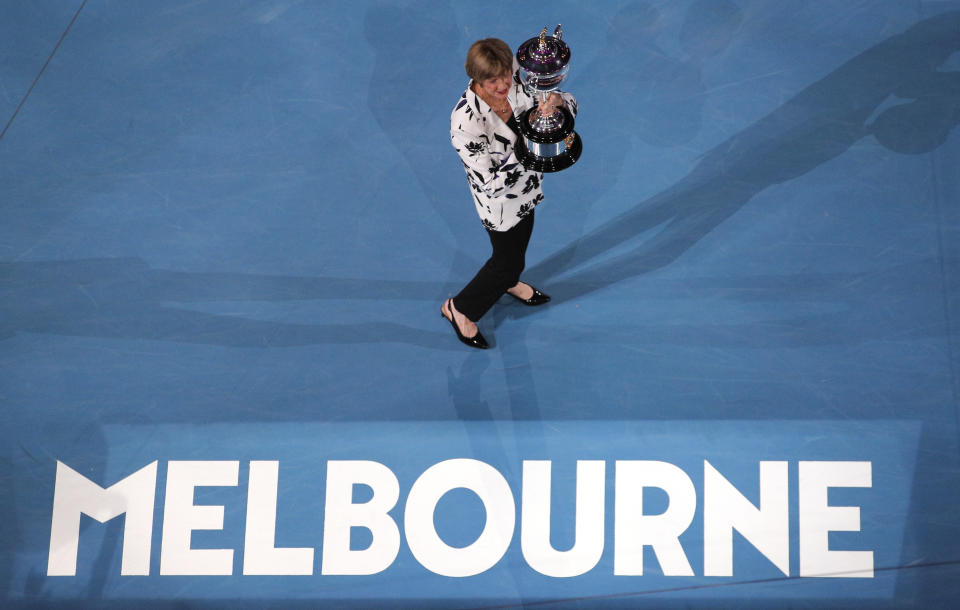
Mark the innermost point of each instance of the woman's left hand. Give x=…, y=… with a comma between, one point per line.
x=553, y=102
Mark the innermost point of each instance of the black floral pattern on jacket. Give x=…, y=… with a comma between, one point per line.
x=474, y=148
x=533, y=182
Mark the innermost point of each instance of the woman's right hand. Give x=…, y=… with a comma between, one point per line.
x=550, y=105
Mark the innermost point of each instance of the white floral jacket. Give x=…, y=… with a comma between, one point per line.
x=503, y=190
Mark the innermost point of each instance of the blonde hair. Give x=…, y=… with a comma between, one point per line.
x=488, y=58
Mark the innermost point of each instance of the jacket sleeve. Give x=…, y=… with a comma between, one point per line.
x=489, y=163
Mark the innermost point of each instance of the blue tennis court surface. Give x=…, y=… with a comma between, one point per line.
x=228, y=227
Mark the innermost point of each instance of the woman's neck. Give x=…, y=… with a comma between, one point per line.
x=496, y=104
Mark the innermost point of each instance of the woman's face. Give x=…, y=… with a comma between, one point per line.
x=498, y=86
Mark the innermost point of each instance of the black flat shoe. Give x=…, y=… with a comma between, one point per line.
x=477, y=341
x=538, y=298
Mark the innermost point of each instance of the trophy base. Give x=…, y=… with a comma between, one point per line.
x=549, y=165
x=551, y=151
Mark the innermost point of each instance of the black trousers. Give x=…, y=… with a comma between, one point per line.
x=500, y=272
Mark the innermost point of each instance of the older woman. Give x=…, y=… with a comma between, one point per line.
x=484, y=131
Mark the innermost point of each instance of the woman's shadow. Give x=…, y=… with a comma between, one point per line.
x=892, y=91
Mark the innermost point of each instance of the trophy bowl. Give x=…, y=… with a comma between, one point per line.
x=549, y=142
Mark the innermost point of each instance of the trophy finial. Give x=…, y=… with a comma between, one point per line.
x=558, y=33
x=543, y=39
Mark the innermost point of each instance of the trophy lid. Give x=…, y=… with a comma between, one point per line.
x=544, y=54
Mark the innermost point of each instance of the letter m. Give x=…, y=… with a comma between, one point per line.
x=75, y=494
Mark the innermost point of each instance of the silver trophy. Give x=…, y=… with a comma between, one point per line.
x=550, y=143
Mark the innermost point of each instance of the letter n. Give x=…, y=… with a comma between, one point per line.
x=75, y=494
x=766, y=527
